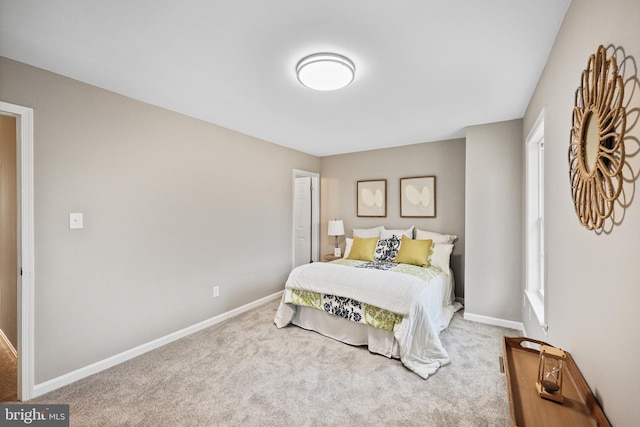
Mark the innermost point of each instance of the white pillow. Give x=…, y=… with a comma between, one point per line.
x=347, y=248
x=441, y=256
x=367, y=232
x=435, y=237
x=387, y=234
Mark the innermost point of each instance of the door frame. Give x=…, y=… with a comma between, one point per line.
x=24, y=154
x=315, y=214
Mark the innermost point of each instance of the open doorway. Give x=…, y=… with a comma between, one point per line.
x=23, y=248
x=306, y=217
x=8, y=260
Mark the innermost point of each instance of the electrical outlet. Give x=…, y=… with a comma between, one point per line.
x=216, y=291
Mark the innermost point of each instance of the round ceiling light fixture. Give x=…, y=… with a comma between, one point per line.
x=325, y=71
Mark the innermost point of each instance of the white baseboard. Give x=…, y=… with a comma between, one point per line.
x=494, y=321
x=94, y=368
x=8, y=344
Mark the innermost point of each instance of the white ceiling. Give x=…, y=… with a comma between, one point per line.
x=425, y=69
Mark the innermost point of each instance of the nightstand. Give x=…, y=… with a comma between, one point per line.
x=331, y=257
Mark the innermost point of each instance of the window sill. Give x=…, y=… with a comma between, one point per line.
x=536, y=303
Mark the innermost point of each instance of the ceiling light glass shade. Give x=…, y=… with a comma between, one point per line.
x=325, y=71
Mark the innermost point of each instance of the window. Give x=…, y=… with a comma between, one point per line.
x=535, y=262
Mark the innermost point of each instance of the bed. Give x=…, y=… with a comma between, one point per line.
x=396, y=306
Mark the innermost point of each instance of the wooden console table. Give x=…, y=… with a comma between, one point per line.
x=579, y=408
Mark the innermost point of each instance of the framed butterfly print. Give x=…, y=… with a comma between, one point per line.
x=418, y=197
x=372, y=198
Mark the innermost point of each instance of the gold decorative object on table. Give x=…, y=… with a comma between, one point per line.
x=551, y=373
x=596, y=152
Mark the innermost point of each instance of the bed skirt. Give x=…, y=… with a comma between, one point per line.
x=377, y=340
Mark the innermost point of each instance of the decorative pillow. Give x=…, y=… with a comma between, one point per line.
x=416, y=252
x=385, y=234
x=441, y=256
x=387, y=249
x=367, y=232
x=435, y=237
x=363, y=248
x=347, y=247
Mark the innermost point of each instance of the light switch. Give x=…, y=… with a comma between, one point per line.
x=75, y=220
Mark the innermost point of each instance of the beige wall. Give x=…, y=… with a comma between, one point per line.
x=592, y=278
x=444, y=159
x=172, y=207
x=8, y=224
x=493, y=267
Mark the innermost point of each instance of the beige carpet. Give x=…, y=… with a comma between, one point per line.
x=246, y=372
x=8, y=374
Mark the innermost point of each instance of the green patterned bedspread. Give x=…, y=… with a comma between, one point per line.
x=354, y=310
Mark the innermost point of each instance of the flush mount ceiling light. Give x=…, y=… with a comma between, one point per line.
x=325, y=71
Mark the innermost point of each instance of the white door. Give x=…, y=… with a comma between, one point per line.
x=302, y=212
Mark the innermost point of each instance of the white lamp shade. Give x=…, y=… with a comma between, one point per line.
x=336, y=228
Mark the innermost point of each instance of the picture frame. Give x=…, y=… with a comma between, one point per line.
x=371, y=196
x=418, y=197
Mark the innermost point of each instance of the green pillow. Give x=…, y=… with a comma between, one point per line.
x=363, y=248
x=416, y=252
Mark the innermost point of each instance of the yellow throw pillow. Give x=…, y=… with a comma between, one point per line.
x=416, y=252
x=363, y=248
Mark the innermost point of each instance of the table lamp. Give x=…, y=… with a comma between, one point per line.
x=336, y=228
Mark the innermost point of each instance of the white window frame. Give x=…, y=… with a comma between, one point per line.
x=535, y=290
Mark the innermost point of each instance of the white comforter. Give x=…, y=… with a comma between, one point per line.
x=420, y=302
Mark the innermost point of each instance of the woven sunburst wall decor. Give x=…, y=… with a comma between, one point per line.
x=596, y=151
